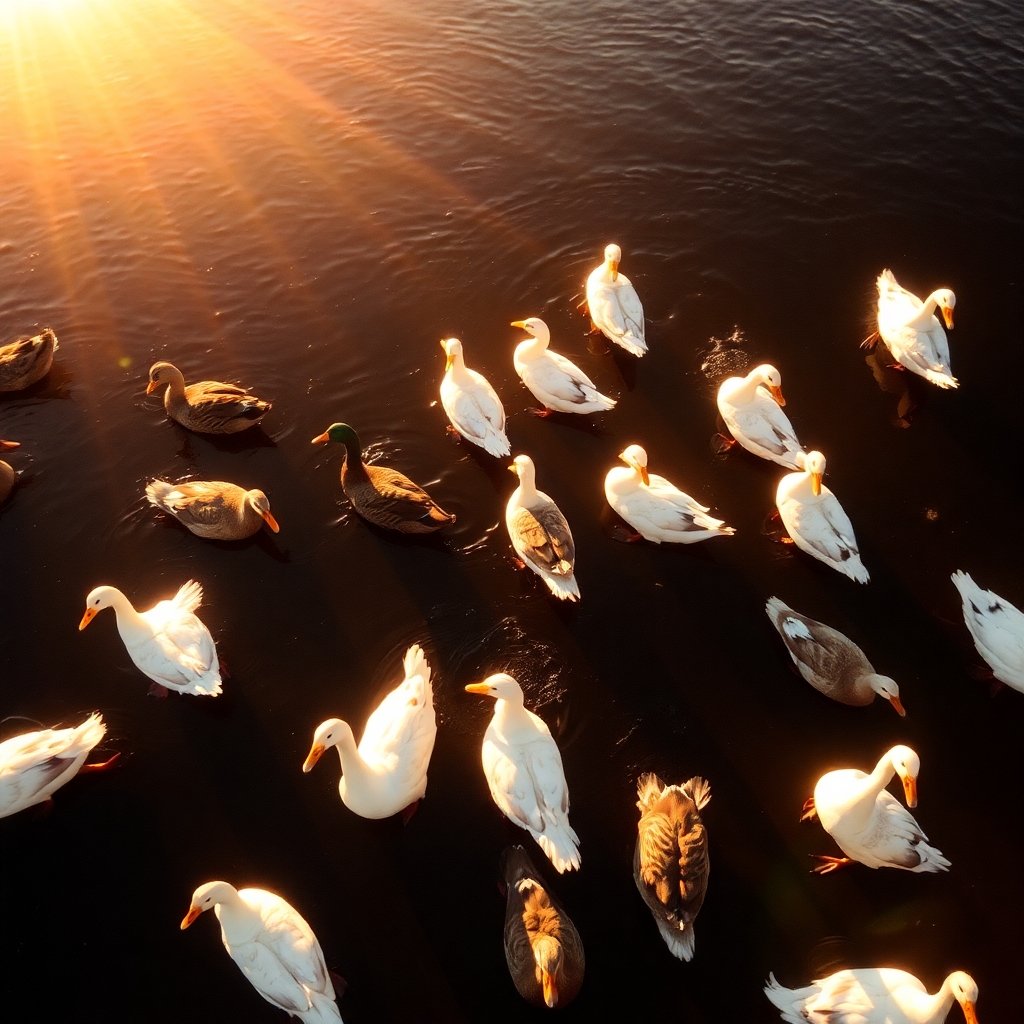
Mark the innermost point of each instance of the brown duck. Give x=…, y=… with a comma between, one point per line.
x=26, y=360
x=380, y=495
x=543, y=949
x=208, y=407
x=213, y=509
x=670, y=864
x=6, y=472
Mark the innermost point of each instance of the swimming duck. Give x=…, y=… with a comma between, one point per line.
x=816, y=521
x=912, y=333
x=524, y=771
x=381, y=495
x=6, y=471
x=614, y=306
x=655, y=508
x=558, y=384
x=387, y=772
x=832, y=663
x=540, y=534
x=274, y=948
x=213, y=509
x=26, y=360
x=35, y=765
x=751, y=407
x=168, y=643
x=867, y=822
x=542, y=947
x=997, y=627
x=873, y=995
x=471, y=404
x=670, y=863
x=208, y=407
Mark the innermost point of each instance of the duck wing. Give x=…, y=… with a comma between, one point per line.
x=542, y=535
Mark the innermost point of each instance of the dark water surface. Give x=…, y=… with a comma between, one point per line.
x=305, y=197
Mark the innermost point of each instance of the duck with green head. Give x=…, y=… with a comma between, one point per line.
x=381, y=495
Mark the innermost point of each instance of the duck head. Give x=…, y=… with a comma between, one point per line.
x=636, y=457
x=908, y=767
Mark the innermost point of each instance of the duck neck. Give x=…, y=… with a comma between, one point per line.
x=938, y=1005
x=175, y=385
x=881, y=776
x=458, y=370
x=354, y=768
x=532, y=348
x=924, y=315
x=238, y=921
x=129, y=622
x=527, y=487
x=353, y=456
x=509, y=717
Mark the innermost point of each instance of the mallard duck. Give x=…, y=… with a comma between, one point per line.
x=832, y=663
x=873, y=995
x=168, y=643
x=387, y=772
x=381, y=495
x=614, y=306
x=912, y=333
x=208, y=407
x=274, y=948
x=997, y=627
x=867, y=822
x=34, y=765
x=212, y=508
x=655, y=508
x=540, y=534
x=816, y=521
x=670, y=862
x=524, y=773
x=471, y=404
x=558, y=384
x=751, y=408
x=6, y=472
x=27, y=360
x=542, y=947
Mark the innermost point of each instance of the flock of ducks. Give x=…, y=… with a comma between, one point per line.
x=385, y=773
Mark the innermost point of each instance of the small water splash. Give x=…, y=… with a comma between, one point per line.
x=726, y=357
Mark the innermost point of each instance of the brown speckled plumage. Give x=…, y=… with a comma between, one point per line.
x=670, y=863
x=213, y=509
x=26, y=360
x=208, y=407
x=538, y=931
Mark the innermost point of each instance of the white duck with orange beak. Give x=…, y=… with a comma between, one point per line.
x=867, y=822
x=615, y=308
x=751, y=409
x=815, y=520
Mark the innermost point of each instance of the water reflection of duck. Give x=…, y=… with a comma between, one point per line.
x=387, y=772
x=543, y=949
x=867, y=822
x=873, y=995
x=815, y=520
x=27, y=360
x=911, y=331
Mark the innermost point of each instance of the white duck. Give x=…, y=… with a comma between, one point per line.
x=524, y=771
x=816, y=521
x=540, y=534
x=472, y=405
x=912, y=333
x=831, y=662
x=34, y=765
x=655, y=508
x=867, y=822
x=558, y=384
x=387, y=772
x=873, y=995
x=751, y=407
x=997, y=627
x=168, y=643
x=274, y=948
x=615, y=308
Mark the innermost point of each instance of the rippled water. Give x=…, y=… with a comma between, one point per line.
x=306, y=199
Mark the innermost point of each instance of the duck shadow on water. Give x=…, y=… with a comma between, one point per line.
x=592, y=424
x=893, y=379
x=56, y=384
x=244, y=440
